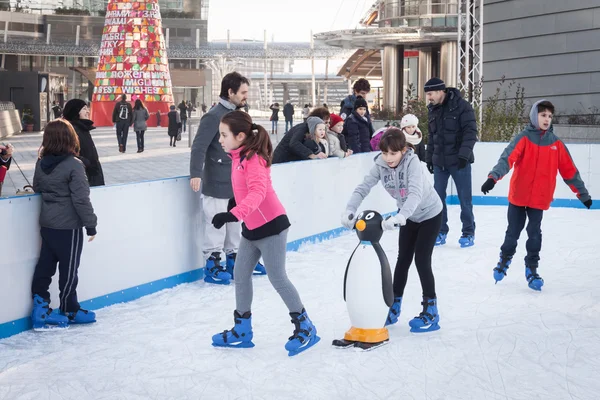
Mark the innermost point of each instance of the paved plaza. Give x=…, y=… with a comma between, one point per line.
x=158, y=161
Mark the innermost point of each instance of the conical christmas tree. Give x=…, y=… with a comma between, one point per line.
x=133, y=61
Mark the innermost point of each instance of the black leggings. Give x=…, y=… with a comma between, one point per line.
x=417, y=240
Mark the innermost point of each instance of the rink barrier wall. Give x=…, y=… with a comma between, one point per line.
x=127, y=261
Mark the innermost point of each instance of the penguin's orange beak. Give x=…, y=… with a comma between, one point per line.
x=361, y=225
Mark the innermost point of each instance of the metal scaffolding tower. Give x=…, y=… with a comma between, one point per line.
x=470, y=51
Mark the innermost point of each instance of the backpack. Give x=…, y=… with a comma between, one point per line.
x=124, y=112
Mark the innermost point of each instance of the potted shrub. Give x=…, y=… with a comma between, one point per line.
x=28, y=120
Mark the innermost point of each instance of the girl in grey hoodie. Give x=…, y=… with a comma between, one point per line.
x=419, y=216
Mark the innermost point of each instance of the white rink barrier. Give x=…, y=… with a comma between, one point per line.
x=148, y=233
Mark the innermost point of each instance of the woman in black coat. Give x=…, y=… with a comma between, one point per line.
x=77, y=113
x=174, y=125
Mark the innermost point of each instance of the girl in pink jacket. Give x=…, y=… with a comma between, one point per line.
x=264, y=232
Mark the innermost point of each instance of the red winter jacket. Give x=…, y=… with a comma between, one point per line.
x=537, y=157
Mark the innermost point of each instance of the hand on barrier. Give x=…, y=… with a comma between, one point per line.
x=222, y=218
x=321, y=155
x=391, y=223
x=588, y=203
x=348, y=220
x=91, y=239
x=195, y=184
x=488, y=185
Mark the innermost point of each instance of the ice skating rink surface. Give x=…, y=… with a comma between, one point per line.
x=498, y=342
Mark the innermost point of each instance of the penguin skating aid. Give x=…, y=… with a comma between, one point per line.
x=368, y=289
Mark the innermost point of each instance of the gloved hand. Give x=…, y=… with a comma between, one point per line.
x=462, y=162
x=488, y=185
x=231, y=204
x=222, y=218
x=392, y=223
x=348, y=220
x=430, y=167
x=588, y=203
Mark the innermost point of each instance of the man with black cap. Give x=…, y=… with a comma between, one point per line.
x=452, y=136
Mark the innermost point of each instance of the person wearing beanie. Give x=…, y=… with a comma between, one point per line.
x=317, y=139
x=358, y=128
x=174, y=125
x=452, y=136
x=414, y=137
x=292, y=146
x=361, y=88
x=337, y=141
x=77, y=113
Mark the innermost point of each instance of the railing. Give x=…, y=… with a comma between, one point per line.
x=418, y=13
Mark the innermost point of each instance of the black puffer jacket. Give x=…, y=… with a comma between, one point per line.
x=88, y=153
x=291, y=147
x=61, y=181
x=452, y=131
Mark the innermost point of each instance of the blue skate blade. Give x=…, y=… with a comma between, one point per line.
x=464, y=245
x=428, y=328
x=241, y=345
x=50, y=328
x=209, y=279
x=259, y=270
x=314, y=340
x=536, y=284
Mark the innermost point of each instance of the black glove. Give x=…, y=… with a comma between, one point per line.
x=488, y=185
x=430, y=167
x=588, y=203
x=231, y=204
x=222, y=218
x=462, y=162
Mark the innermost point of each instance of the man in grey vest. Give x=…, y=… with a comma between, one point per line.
x=210, y=168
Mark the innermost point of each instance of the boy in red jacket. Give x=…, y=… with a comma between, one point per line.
x=537, y=154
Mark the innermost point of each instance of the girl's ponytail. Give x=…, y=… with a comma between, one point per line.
x=257, y=138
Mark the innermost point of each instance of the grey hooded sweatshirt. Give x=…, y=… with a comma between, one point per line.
x=416, y=199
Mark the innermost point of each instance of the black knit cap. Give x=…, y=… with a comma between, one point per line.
x=72, y=108
x=360, y=102
x=435, y=84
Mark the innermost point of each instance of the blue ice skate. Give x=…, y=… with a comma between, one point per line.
x=428, y=320
x=466, y=241
x=534, y=281
x=80, y=316
x=502, y=267
x=259, y=269
x=394, y=312
x=44, y=319
x=230, y=266
x=441, y=239
x=305, y=334
x=214, y=272
x=240, y=336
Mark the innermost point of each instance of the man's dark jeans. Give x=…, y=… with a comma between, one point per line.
x=462, y=180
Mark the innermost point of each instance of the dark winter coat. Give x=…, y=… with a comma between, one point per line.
x=174, y=123
x=275, y=115
x=88, y=153
x=315, y=147
x=61, y=181
x=288, y=112
x=208, y=160
x=116, y=117
x=347, y=107
x=358, y=133
x=291, y=147
x=421, y=152
x=452, y=131
x=183, y=111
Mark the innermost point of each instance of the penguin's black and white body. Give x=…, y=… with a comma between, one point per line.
x=368, y=289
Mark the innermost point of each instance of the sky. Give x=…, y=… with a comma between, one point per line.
x=285, y=20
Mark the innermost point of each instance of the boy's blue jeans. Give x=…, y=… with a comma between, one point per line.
x=516, y=222
x=462, y=179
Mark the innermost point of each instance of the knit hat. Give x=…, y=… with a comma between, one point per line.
x=312, y=124
x=334, y=119
x=409, y=120
x=72, y=109
x=435, y=84
x=360, y=102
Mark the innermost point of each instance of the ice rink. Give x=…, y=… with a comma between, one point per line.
x=501, y=341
